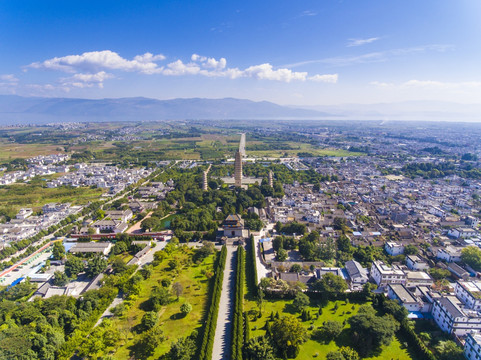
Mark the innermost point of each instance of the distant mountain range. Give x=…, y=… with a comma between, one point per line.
x=407, y=110
x=17, y=110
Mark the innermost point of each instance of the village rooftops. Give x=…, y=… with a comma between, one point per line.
x=91, y=247
x=402, y=293
x=472, y=287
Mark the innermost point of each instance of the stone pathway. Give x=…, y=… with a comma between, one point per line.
x=223, y=330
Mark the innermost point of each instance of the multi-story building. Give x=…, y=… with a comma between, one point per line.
x=449, y=254
x=472, y=346
x=453, y=318
x=418, y=278
x=393, y=248
x=469, y=293
x=383, y=274
x=415, y=262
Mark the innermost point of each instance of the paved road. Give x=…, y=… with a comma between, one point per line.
x=223, y=330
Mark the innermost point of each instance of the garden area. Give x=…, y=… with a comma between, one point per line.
x=170, y=304
x=339, y=311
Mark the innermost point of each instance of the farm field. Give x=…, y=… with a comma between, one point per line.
x=34, y=195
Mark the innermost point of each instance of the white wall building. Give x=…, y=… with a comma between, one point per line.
x=469, y=293
x=383, y=274
x=472, y=346
x=451, y=317
x=415, y=262
x=405, y=298
x=358, y=275
x=449, y=254
x=394, y=249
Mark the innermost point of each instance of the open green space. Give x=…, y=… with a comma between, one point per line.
x=313, y=349
x=174, y=325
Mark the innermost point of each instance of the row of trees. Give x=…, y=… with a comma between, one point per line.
x=209, y=330
x=238, y=323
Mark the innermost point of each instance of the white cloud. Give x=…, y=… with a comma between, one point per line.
x=8, y=82
x=308, y=13
x=10, y=78
x=440, y=84
x=360, y=42
x=211, y=67
x=429, y=85
x=266, y=72
x=95, y=61
x=87, y=80
x=89, y=69
x=373, y=57
x=328, y=78
x=380, y=84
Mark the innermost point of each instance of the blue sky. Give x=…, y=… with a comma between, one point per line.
x=290, y=52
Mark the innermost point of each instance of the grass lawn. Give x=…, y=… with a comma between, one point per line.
x=313, y=349
x=172, y=323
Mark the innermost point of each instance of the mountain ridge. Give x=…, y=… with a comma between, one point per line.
x=13, y=108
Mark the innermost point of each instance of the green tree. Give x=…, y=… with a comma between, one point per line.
x=301, y=300
x=371, y=331
x=185, y=308
x=331, y=284
x=149, y=320
x=259, y=349
x=438, y=273
x=471, y=255
x=60, y=278
x=119, y=265
x=330, y=330
x=349, y=353
x=392, y=307
x=282, y=255
x=149, y=341
x=296, y=268
x=411, y=250
x=183, y=349
x=58, y=251
x=334, y=355
x=449, y=350
x=289, y=335
x=149, y=224
x=95, y=266
x=74, y=266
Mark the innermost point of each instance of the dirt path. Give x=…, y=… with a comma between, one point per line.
x=136, y=226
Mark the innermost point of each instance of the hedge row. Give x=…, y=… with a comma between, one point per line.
x=238, y=323
x=409, y=332
x=253, y=266
x=209, y=331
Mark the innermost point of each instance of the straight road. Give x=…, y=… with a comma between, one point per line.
x=223, y=330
